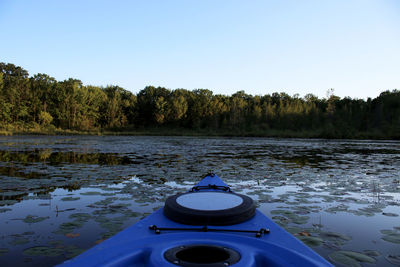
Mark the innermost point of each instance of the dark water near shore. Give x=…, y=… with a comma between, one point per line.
x=61, y=195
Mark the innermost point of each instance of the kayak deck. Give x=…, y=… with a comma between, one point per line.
x=146, y=242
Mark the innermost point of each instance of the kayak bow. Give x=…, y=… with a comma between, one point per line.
x=208, y=226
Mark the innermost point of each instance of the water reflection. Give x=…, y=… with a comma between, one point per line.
x=55, y=158
x=73, y=192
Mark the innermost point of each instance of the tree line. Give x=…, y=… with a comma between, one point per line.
x=42, y=101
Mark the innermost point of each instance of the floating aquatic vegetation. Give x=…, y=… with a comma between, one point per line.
x=34, y=219
x=390, y=214
x=280, y=220
x=19, y=241
x=392, y=236
x=80, y=217
x=368, y=211
x=355, y=200
x=393, y=259
x=130, y=213
x=73, y=251
x=305, y=209
x=3, y=251
x=336, y=237
x=43, y=251
x=70, y=198
x=106, y=201
x=90, y=193
x=293, y=229
x=350, y=258
x=294, y=218
x=311, y=241
x=372, y=253
x=7, y=202
x=112, y=226
x=2, y=210
x=339, y=208
x=68, y=227
x=101, y=219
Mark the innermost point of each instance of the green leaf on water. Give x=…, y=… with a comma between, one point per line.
x=311, y=241
x=81, y=217
x=393, y=259
x=73, y=251
x=390, y=214
x=19, y=241
x=372, y=253
x=3, y=251
x=34, y=219
x=332, y=236
x=341, y=258
x=70, y=198
x=350, y=258
x=392, y=236
x=68, y=227
x=4, y=210
x=359, y=256
x=90, y=193
x=43, y=251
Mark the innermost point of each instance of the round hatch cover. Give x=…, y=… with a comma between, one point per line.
x=209, y=208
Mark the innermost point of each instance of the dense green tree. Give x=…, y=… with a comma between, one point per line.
x=42, y=100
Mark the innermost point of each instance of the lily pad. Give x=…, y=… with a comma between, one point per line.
x=73, y=251
x=106, y=201
x=81, y=217
x=4, y=210
x=43, y=251
x=34, y=219
x=19, y=241
x=91, y=193
x=339, y=208
x=112, y=226
x=372, y=253
x=294, y=218
x=392, y=236
x=3, y=251
x=393, y=259
x=68, y=227
x=350, y=258
x=311, y=241
x=395, y=238
x=70, y=198
x=293, y=229
x=335, y=236
x=390, y=214
x=280, y=220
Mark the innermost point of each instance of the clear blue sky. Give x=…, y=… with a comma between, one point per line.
x=223, y=45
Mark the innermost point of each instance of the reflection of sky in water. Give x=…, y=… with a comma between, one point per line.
x=104, y=184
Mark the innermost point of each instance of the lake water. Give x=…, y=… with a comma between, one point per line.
x=61, y=195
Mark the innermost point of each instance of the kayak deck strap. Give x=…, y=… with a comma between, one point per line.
x=258, y=233
x=211, y=186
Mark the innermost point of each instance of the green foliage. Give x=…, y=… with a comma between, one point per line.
x=40, y=103
x=45, y=118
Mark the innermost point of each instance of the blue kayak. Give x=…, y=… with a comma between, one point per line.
x=208, y=226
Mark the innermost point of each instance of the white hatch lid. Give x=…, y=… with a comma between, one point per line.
x=209, y=201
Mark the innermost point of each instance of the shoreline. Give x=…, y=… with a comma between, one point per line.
x=318, y=134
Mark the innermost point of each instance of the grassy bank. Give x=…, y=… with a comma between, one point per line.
x=35, y=129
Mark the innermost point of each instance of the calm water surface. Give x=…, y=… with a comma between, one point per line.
x=61, y=195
